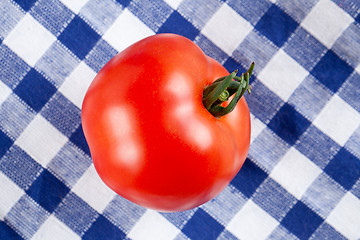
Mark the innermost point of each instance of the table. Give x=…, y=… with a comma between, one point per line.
x=302, y=176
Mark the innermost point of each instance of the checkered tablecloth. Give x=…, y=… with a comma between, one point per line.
x=302, y=176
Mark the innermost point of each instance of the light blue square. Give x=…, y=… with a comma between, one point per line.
x=100, y=14
x=297, y=9
x=100, y=55
x=69, y=164
x=281, y=233
x=13, y=68
x=198, y=12
x=153, y=13
x=15, y=115
x=325, y=231
x=225, y=205
x=323, y=202
x=210, y=49
x=123, y=213
x=307, y=94
x=52, y=14
x=57, y=63
x=353, y=144
x=10, y=15
x=251, y=10
x=267, y=149
x=274, y=199
x=26, y=216
x=255, y=48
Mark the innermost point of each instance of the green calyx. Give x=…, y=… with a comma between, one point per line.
x=223, y=88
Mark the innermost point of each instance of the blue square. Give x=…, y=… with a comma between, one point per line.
x=197, y=12
x=124, y=3
x=325, y=231
x=5, y=143
x=263, y=103
x=301, y=221
x=27, y=216
x=6, y=232
x=276, y=25
x=123, y=213
x=297, y=9
x=79, y=140
x=274, y=199
x=350, y=168
x=326, y=148
x=25, y=4
x=308, y=93
x=350, y=91
x=79, y=37
x=179, y=25
x=332, y=71
x=251, y=10
x=10, y=15
x=35, y=90
x=15, y=116
x=69, y=164
x=20, y=167
x=52, y=14
x=62, y=114
x=57, y=63
x=249, y=178
x=347, y=46
x=210, y=49
x=48, y=191
x=202, y=226
x=304, y=48
x=13, y=68
x=151, y=12
x=103, y=229
x=289, y=124
x=255, y=48
x=323, y=202
x=76, y=213
x=267, y=150
x=100, y=55
x=101, y=14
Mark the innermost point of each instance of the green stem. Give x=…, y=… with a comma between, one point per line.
x=221, y=89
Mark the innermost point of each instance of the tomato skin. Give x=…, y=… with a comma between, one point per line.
x=151, y=139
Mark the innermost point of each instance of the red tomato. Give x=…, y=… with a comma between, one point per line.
x=151, y=139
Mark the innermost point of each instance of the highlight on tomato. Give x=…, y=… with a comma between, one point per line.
x=167, y=126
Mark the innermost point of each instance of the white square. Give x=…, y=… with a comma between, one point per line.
x=338, y=120
x=93, y=190
x=227, y=29
x=295, y=172
x=29, y=39
x=326, y=21
x=5, y=92
x=252, y=223
x=173, y=3
x=256, y=127
x=77, y=83
x=126, y=30
x=11, y=194
x=74, y=5
x=282, y=75
x=41, y=140
x=54, y=229
x=345, y=217
x=153, y=226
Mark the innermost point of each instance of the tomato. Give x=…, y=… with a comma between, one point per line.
x=151, y=138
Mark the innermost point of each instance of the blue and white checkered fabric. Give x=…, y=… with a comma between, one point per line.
x=302, y=176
